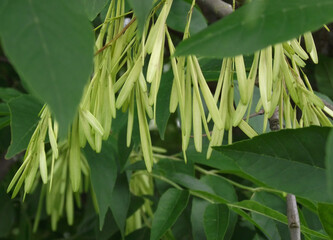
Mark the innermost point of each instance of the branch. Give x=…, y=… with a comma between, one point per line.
x=214, y=10
x=292, y=211
x=293, y=218
x=261, y=112
x=116, y=37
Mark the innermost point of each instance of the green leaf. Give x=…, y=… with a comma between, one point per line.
x=167, y=167
x=177, y=17
x=273, y=214
x=283, y=144
x=120, y=201
x=170, y=206
x=136, y=203
x=192, y=183
x=103, y=169
x=123, y=151
x=274, y=229
x=119, y=122
x=256, y=207
x=312, y=219
x=202, y=190
x=217, y=160
x=258, y=237
x=225, y=190
x=216, y=219
x=326, y=217
x=24, y=112
x=211, y=68
x=140, y=234
x=181, y=228
x=249, y=219
x=4, y=109
x=51, y=47
x=329, y=162
x=109, y=228
x=7, y=214
x=93, y=7
x=324, y=75
x=288, y=160
x=2, y=5
x=7, y=94
x=257, y=25
x=4, y=121
x=141, y=9
x=221, y=187
x=163, y=101
x=197, y=216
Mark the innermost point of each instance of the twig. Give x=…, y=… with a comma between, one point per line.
x=260, y=112
x=292, y=210
x=293, y=218
x=116, y=37
x=214, y=10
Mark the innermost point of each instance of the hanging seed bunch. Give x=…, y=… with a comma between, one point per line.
x=119, y=81
x=142, y=184
x=283, y=86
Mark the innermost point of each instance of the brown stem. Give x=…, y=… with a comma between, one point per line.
x=116, y=37
x=261, y=112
